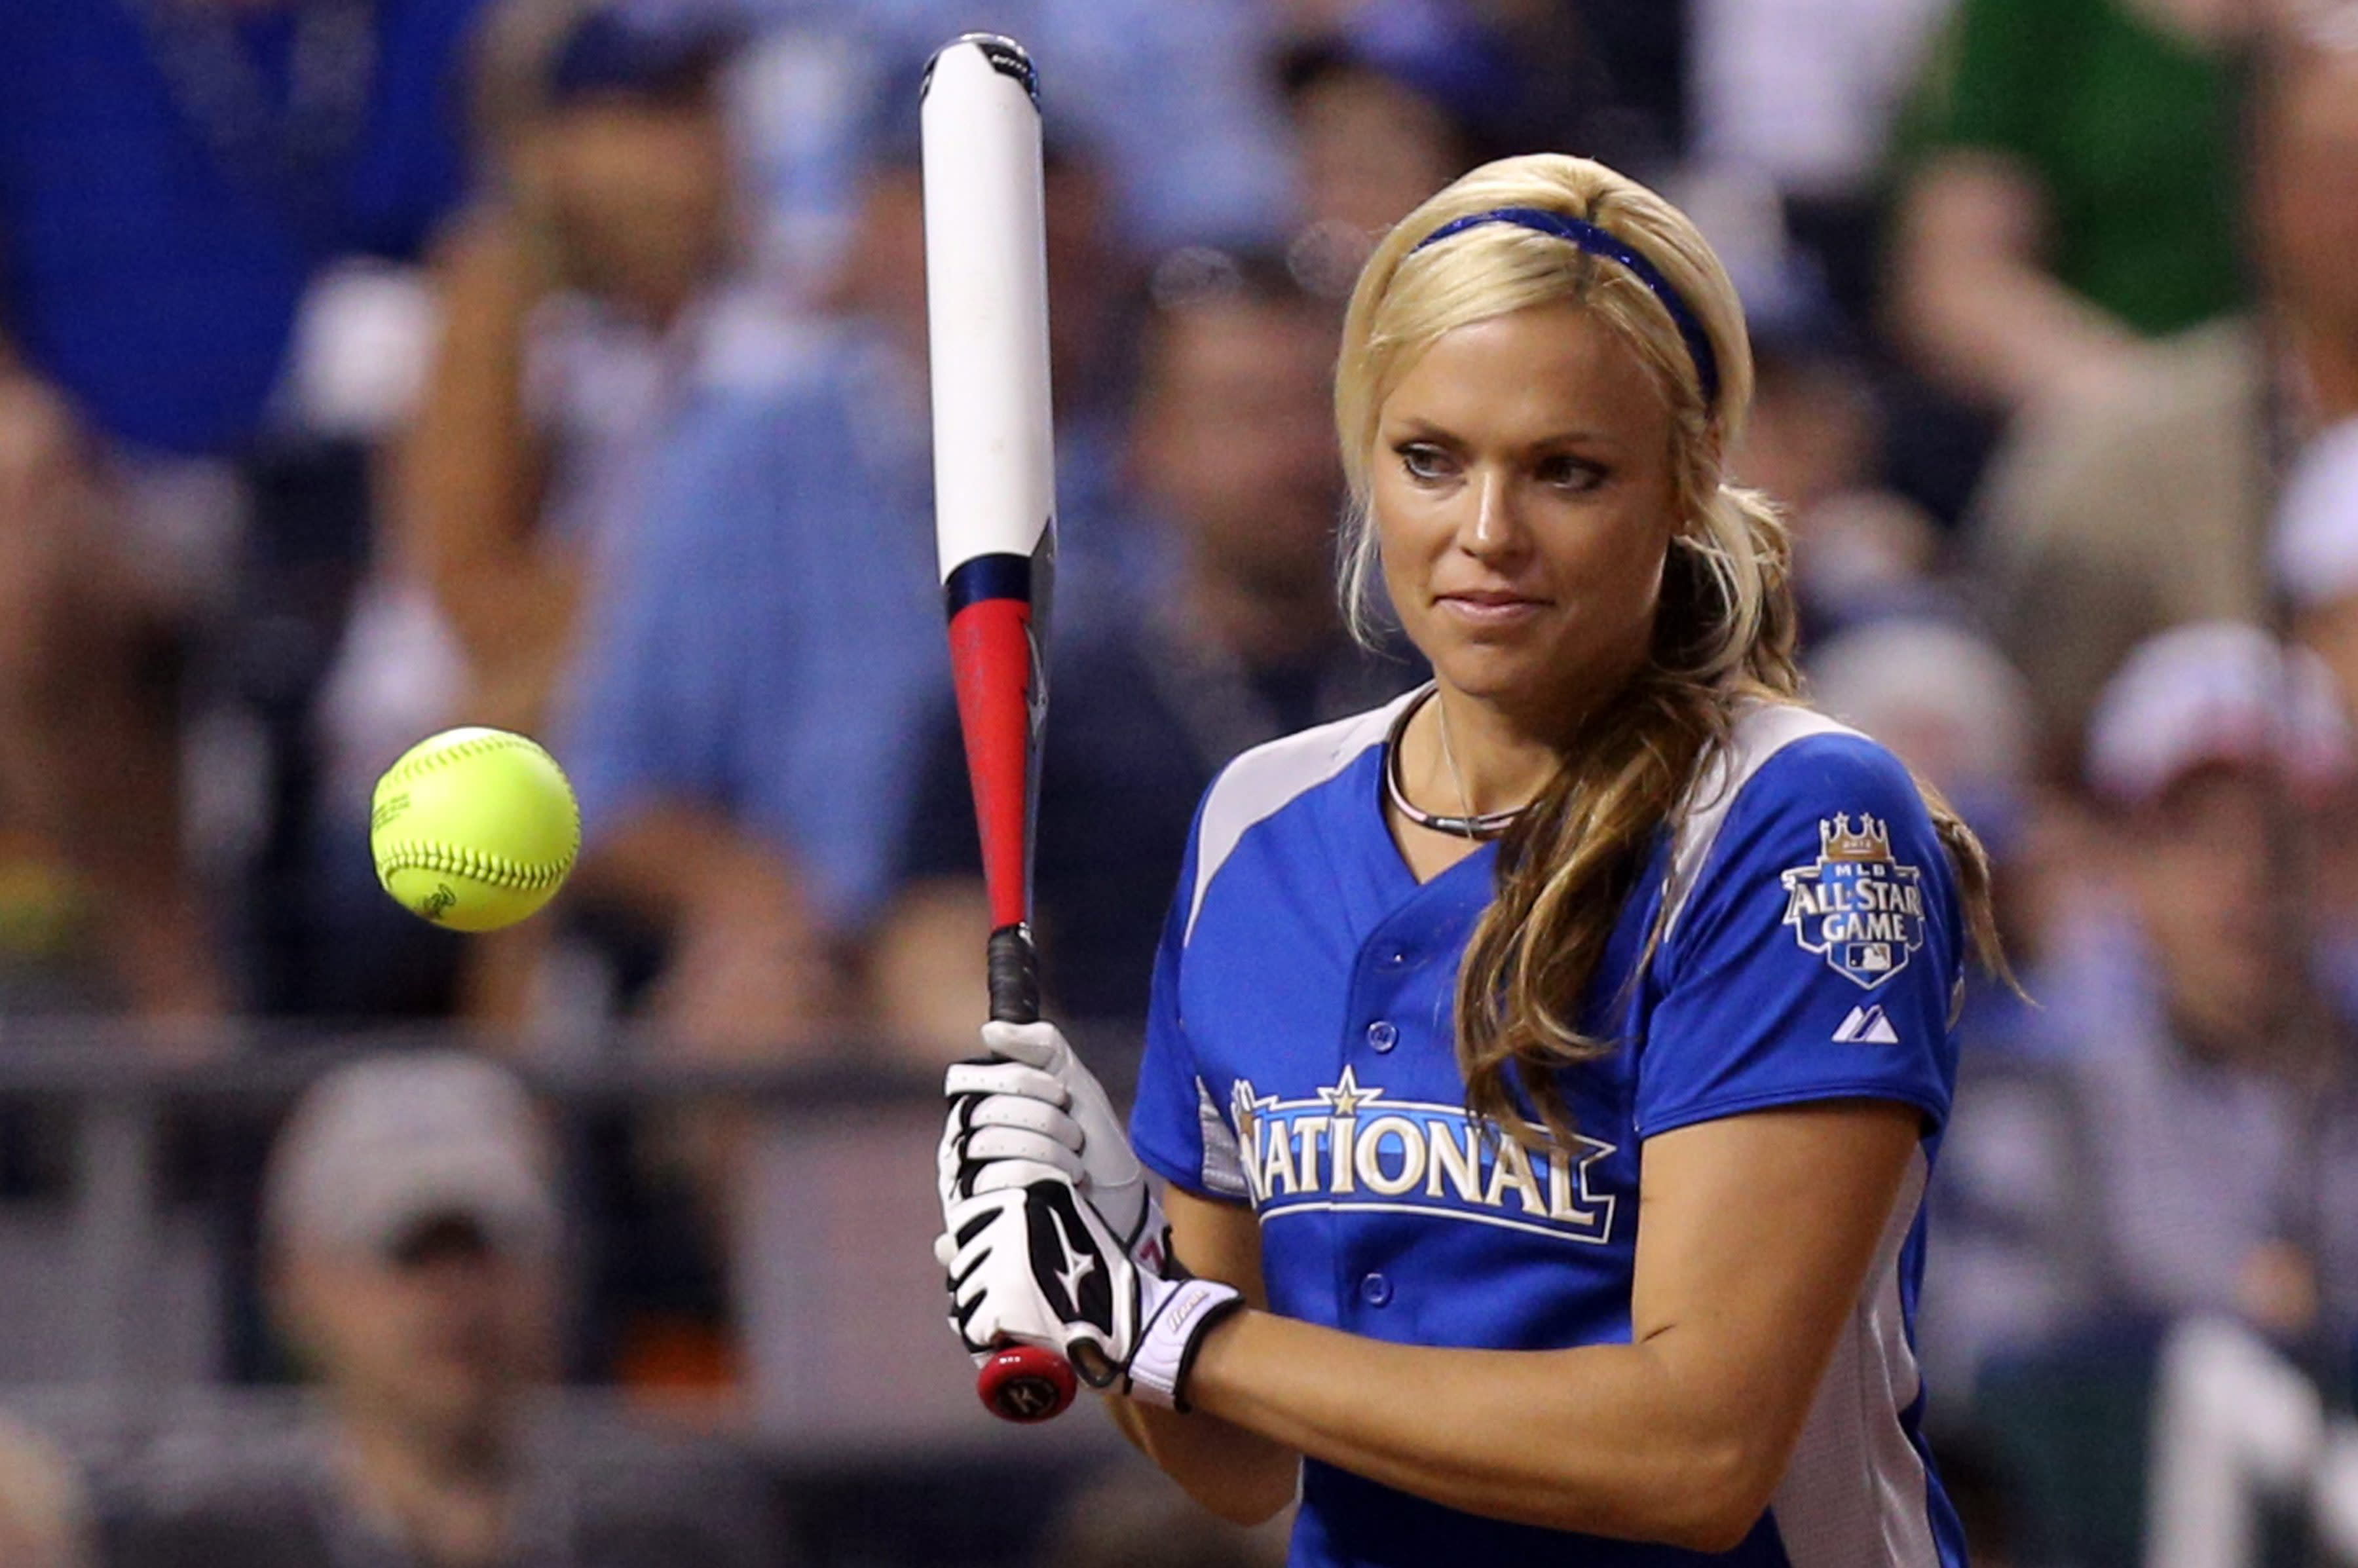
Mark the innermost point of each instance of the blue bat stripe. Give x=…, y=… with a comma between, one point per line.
x=996, y=576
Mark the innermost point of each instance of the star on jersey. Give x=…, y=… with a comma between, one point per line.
x=1350, y=1146
x=1346, y=1097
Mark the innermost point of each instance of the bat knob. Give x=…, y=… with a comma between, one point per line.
x=1025, y=1383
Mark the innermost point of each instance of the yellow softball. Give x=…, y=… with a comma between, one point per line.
x=474, y=829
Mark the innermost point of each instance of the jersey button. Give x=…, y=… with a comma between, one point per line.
x=1376, y=1290
x=1382, y=1035
x=1395, y=958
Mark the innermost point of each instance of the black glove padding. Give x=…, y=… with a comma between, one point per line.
x=1036, y=1264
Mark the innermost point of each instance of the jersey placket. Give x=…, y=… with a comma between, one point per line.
x=1397, y=1040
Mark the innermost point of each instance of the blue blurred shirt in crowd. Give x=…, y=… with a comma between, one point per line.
x=1178, y=98
x=154, y=275
x=772, y=637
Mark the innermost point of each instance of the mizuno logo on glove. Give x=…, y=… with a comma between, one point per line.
x=1065, y=1251
x=1076, y=1267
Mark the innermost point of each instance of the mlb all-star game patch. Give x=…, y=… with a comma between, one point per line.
x=1855, y=906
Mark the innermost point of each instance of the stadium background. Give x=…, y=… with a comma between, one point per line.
x=368, y=366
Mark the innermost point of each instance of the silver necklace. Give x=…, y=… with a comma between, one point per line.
x=1471, y=824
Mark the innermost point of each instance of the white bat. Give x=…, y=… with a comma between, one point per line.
x=995, y=511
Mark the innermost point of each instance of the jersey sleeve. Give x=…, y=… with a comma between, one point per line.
x=1176, y=1126
x=1818, y=955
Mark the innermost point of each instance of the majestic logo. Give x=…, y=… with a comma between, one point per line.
x=1857, y=907
x=1349, y=1147
x=1867, y=1026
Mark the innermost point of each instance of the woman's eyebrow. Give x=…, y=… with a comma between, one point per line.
x=1577, y=437
x=1420, y=429
x=1574, y=437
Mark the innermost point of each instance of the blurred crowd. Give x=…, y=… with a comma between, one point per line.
x=372, y=366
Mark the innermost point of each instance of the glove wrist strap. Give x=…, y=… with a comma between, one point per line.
x=1167, y=1350
x=1149, y=1247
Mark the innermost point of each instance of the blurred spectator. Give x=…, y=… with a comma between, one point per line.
x=1805, y=92
x=173, y=176
x=2217, y=751
x=1384, y=113
x=2199, y=1142
x=1232, y=454
x=1389, y=100
x=581, y=297
x=44, y=1516
x=1606, y=78
x=1176, y=99
x=2107, y=521
x=573, y=297
x=2074, y=192
x=747, y=730
x=1804, y=95
x=742, y=725
x=1947, y=702
x=1815, y=439
x=2314, y=562
x=2314, y=552
x=415, y=1235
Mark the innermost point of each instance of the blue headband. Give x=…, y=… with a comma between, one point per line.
x=1597, y=241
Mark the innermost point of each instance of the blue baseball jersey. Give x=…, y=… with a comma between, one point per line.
x=1301, y=1058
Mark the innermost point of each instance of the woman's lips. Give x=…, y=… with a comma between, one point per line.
x=1489, y=610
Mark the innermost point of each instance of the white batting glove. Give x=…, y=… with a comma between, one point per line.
x=1038, y=1107
x=1037, y=1265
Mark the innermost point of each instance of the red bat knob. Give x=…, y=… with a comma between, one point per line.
x=1025, y=1383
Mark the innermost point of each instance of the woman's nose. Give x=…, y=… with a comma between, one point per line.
x=1492, y=527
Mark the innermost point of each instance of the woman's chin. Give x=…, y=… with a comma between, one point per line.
x=1496, y=671
x=1530, y=679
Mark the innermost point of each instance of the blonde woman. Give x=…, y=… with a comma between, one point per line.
x=1544, y=1070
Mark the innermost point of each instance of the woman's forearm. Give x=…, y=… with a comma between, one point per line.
x=1600, y=1439
x=1240, y=1476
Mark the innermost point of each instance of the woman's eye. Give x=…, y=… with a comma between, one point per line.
x=1568, y=473
x=1423, y=462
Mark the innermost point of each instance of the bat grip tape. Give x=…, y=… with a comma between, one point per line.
x=1014, y=970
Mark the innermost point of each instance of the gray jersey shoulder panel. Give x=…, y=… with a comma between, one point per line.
x=1761, y=731
x=1265, y=780
x=1224, y=1165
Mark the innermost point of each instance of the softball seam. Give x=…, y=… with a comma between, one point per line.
x=496, y=870
x=481, y=746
